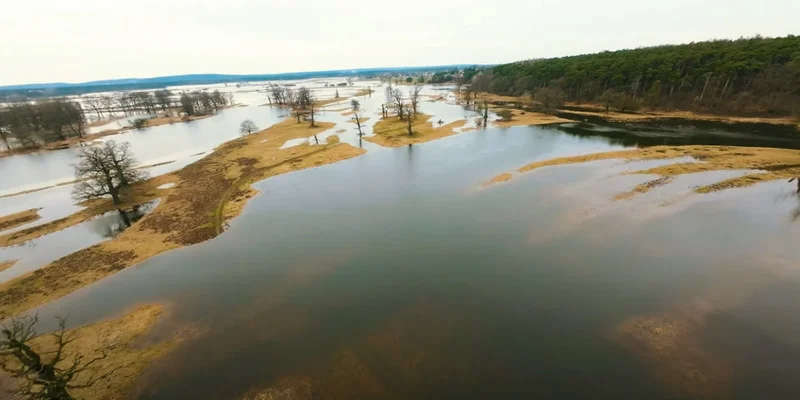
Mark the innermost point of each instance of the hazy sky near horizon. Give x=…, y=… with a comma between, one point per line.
x=82, y=40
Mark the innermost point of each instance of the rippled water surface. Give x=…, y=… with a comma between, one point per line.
x=397, y=275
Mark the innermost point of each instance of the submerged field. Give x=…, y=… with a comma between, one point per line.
x=389, y=268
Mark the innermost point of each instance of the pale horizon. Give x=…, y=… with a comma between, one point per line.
x=82, y=40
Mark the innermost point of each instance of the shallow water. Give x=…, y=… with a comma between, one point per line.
x=39, y=252
x=395, y=275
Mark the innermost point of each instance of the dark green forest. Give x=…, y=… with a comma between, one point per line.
x=755, y=76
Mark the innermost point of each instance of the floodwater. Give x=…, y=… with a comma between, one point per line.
x=395, y=275
x=41, y=251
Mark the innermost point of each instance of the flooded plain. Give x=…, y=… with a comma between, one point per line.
x=396, y=275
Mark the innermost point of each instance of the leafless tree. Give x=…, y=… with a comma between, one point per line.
x=51, y=374
x=248, y=127
x=163, y=98
x=485, y=111
x=96, y=104
x=409, y=118
x=105, y=171
x=397, y=99
x=356, y=106
x=413, y=96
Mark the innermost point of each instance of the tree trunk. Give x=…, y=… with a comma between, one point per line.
x=124, y=216
x=315, y=139
x=705, y=87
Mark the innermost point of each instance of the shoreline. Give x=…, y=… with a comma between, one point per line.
x=643, y=115
x=765, y=164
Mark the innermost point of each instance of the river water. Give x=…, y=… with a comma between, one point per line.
x=396, y=275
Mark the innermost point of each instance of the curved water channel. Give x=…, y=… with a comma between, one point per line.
x=396, y=275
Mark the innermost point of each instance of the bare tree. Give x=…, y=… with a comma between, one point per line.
x=163, y=98
x=409, y=118
x=356, y=106
x=47, y=375
x=413, y=96
x=105, y=171
x=96, y=104
x=248, y=127
x=397, y=99
x=485, y=111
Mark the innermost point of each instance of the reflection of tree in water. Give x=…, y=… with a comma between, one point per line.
x=794, y=214
x=113, y=223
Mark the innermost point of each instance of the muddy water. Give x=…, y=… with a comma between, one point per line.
x=394, y=275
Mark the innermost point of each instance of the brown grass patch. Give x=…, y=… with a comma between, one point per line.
x=122, y=337
x=778, y=163
x=209, y=192
x=504, y=177
x=138, y=194
x=599, y=110
x=4, y=265
x=20, y=218
x=523, y=118
x=644, y=187
x=393, y=132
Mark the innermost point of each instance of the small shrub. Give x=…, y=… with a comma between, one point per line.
x=505, y=114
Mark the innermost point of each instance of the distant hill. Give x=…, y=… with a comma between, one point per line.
x=62, y=88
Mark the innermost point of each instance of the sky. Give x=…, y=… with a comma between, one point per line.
x=83, y=40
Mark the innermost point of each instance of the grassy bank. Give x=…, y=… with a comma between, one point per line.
x=393, y=132
x=768, y=164
x=207, y=193
x=126, y=352
x=23, y=217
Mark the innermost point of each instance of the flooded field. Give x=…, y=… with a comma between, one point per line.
x=398, y=274
x=394, y=275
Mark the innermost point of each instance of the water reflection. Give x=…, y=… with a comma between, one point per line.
x=405, y=283
x=37, y=253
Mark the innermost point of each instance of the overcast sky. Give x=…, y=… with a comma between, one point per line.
x=82, y=40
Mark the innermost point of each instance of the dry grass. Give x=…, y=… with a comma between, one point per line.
x=20, y=218
x=138, y=194
x=523, y=118
x=4, y=265
x=208, y=192
x=770, y=163
x=598, y=110
x=122, y=337
x=393, y=132
x=644, y=187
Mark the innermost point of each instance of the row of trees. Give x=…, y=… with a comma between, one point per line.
x=396, y=101
x=30, y=124
x=202, y=103
x=745, y=76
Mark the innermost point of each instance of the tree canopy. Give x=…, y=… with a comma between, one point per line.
x=754, y=75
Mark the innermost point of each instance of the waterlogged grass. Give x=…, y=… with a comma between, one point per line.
x=208, y=192
x=393, y=132
x=767, y=164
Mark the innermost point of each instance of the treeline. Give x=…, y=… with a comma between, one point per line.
x=454, y=75
x=31, y=124
x=202, y=103
x=745, y=76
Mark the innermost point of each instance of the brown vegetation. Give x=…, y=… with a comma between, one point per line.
x=20, y=218
x=393, y=132
x=523, y=118
x=208, y=192
x=4, y=265
x=767, y=164
x=121, y=339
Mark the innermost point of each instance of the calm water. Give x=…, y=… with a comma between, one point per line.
x=393, y=275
